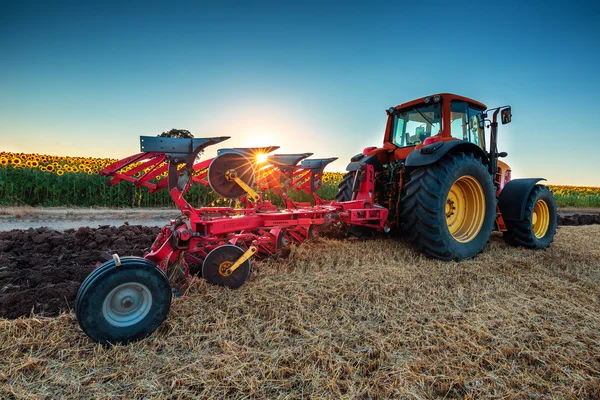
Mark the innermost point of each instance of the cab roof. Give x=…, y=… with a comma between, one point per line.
x=445, y=97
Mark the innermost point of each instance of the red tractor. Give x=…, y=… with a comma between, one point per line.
x=444, y=184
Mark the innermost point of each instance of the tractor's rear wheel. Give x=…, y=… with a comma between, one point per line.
x=449, y=208
x=538, y=227
x=345, y=187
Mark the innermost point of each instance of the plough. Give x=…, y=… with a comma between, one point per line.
x=126, y=299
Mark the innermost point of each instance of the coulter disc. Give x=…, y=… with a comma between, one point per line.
x=219, y=260
x=221, y=169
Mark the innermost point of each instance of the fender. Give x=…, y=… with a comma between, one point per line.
x=432, y=153
x=357, y=161
x=513, y=198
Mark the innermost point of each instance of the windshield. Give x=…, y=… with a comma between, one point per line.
x=413, y=125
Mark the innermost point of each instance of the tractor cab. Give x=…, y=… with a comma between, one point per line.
x=438, y=118
x=431, y=119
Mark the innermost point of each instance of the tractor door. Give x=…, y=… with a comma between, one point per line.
x=466, y=123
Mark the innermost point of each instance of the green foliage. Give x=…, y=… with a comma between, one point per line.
x=580, y=197
x=30, y=186
x=177, y=133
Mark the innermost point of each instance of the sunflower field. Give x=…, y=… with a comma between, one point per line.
x=43, y=180
x=576, y=196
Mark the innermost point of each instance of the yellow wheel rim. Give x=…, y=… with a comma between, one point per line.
x=540, y=220
x=223, y=267
x=465, y=209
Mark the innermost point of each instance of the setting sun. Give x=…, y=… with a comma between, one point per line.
x=261, y=158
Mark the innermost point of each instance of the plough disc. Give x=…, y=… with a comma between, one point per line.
x=223, y=168
x=215, y=266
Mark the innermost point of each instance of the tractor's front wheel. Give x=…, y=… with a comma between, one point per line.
x=538, y=227
x=449, y=208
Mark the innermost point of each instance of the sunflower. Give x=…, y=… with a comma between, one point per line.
x=34, y=164
x=43, y=169
x=50, y=168
x=15, y=161
x=60, y=172
x=3, y=161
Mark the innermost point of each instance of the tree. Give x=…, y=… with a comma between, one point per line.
x=177, y=133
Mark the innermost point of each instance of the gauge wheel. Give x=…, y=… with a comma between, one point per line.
x=125, y=303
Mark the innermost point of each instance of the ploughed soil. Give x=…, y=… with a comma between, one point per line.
x=578, y=219
x=42, y=269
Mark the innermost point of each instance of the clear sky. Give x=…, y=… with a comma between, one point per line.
x=88, y=80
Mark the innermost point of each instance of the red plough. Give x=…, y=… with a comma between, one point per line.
x=126, y=299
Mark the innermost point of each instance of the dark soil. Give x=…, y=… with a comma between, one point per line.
x=42, y=269
x=579, y=219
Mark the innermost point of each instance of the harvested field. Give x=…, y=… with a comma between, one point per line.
x=340, y=319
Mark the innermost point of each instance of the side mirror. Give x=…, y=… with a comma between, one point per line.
x=506, y=116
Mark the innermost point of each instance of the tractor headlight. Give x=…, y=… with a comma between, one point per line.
x=390, y=110
x=427, y=100
x=437, y=98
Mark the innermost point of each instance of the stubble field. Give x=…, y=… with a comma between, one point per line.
x=337, y=319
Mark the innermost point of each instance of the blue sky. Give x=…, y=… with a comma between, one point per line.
x=88, y=80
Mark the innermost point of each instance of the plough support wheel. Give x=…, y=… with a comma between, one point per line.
x=120, y=304
x=217, y=265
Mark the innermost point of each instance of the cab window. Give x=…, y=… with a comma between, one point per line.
x=412, y=126
x=466, y=123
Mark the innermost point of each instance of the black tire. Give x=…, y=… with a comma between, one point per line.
x=521, y=233
x=225, y=253
x=345, y=187
x=106, y=326
x=424, y=205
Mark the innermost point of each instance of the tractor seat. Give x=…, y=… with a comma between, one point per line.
x=287, y=160
x=317, y=165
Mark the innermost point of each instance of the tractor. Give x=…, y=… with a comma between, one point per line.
x=443, y=183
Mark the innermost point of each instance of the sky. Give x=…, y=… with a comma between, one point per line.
x=85, y=79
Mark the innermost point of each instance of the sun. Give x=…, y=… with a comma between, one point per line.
x=261, y=158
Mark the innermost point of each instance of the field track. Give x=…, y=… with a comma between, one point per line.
x=338, y=319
